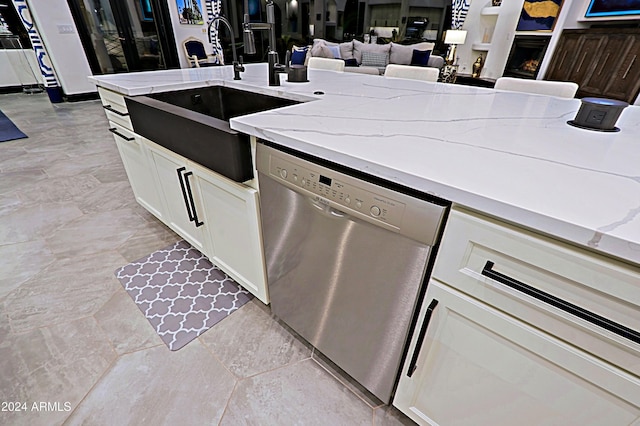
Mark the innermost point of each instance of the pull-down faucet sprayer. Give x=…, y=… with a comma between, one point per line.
x=237, y=66
x=275, y=67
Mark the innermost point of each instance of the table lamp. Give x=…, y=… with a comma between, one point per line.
x=454, y=38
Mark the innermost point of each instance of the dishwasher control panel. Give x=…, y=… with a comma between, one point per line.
x=342, y=191
x=327, y=184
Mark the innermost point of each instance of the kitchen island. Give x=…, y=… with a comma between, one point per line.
x=509, y=155
x=555, y=206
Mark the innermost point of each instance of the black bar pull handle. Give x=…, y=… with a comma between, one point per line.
x=115, y=111
x=421, y=336
x=116, y=132
x=191, y=200
x=187, y=204
x=575, y=310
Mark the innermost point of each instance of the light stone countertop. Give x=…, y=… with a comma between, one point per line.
x=509, y=155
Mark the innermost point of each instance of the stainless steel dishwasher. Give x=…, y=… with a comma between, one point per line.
x=347, y=260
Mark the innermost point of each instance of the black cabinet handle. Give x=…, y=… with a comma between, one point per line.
x=115, y=111
x=116, y=132
x=191, y=201
x=561, y=304
x=187, y=204
x=187, y=194
x=421, y=336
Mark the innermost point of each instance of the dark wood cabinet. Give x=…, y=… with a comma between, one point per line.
x=604, y=62
x=625, y=82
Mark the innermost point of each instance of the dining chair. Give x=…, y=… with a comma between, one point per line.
x=562, y=89
x=412, y=72
x=316, y=62
x=196, y=53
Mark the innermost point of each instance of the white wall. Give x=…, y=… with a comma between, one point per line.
x=53, y=19
x=495, y=58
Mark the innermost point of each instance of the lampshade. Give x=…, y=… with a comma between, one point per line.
x=455, y=36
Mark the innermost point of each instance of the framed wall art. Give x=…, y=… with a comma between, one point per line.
x=539, y=15
x=600, y=8
x=190, y=12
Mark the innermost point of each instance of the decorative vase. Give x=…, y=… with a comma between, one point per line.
x=477, y=67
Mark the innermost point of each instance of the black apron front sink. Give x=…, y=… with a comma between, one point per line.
x=194, y=123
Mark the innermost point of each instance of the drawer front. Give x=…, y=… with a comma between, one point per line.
x=115, y=108
x=585, y=299
x=480, y=366
x=120, y=132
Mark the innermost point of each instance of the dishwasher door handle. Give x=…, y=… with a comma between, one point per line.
x=421, y=336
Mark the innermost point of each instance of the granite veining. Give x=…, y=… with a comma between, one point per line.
x=507, y=154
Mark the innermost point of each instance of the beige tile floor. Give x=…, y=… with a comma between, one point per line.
x=71, y=337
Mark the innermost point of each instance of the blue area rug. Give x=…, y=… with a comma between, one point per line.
x=8, y=130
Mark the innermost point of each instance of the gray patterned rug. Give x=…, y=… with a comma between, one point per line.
x=180, y=292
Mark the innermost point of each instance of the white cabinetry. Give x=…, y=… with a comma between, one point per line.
x=232, y=210
x=523, y=329
x=183, y=204
x=135, y=158
x=217, y=216
x=490, y=33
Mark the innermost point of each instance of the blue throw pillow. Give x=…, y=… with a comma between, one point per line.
x=351, y=62
x=298, y=56
x=420, y=57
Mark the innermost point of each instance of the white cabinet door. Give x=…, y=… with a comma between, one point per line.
x=480, y=366
x=233, y=220
x=139, y=170
x=184, y=212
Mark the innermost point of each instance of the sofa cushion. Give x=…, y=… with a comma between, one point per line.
x=340, y=50
x=436, y=61
x=350, y=62
x=307, y=50
x=346, y=50
x=359, y=48
x=298, y=55
x=420, y=57
x=363, y=70
x=336, y=51
x=371, y=59
x=322, y=50
x=401, y=54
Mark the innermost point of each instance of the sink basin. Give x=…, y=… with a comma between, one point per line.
x=195, y=124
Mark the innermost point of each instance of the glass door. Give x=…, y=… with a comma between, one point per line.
x=124, y=36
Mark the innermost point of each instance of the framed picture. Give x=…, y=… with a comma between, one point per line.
x=190, y=12
x=539, y=15
x=599, y=8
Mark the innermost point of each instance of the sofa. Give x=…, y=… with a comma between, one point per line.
x=367, y=57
